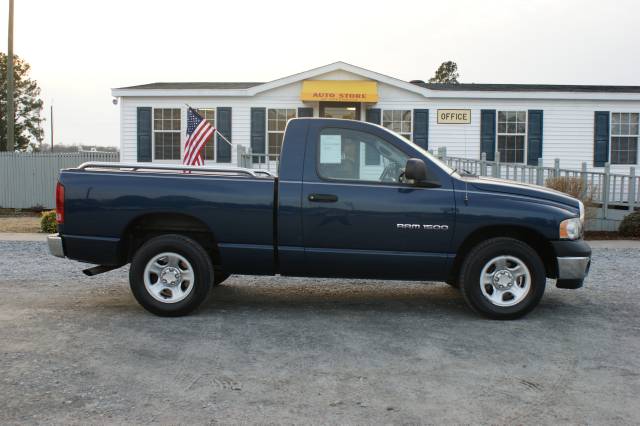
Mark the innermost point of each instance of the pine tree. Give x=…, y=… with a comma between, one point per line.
x=28, y=105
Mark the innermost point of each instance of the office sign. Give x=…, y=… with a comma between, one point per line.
x=454, y=116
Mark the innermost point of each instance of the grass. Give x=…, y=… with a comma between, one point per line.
x=12, y=220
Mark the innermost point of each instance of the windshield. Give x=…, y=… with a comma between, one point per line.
x=438, y=162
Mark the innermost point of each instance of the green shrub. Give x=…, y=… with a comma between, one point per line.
x=630, y=225
x=48, y=222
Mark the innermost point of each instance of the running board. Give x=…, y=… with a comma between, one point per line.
x=100, y=269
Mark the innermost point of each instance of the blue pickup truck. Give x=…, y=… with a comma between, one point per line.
x=351, y=199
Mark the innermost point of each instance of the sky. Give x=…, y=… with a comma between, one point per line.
x=79, y=50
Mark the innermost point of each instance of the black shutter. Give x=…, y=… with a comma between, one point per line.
x=223, y=121
x=305, y=112
x=488, y=133
x=421, y=127
x=601, y=138
x=258, y=132
x=534, y=137
x=374, y=115
x=144, y=134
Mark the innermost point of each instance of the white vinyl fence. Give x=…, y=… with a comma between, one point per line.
x=612, y=195
x=28, y=180
x=609, y=190
x=257, y=161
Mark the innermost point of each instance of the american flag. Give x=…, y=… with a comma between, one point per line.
x=198, y=131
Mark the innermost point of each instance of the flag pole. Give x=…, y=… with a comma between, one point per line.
x=222, y=136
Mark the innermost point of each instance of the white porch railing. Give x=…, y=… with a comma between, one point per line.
x=257, y=161
x=606, y=189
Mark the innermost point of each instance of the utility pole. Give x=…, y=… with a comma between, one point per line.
x=11, y=115
x=51, y=126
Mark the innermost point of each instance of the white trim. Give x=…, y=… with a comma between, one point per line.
x=512, y=95
x=336, y=66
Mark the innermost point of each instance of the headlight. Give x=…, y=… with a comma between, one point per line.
x=571, y=229
x=581, y=207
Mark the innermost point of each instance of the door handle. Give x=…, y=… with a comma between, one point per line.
x=323, y=198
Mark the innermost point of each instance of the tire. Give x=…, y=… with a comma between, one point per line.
x=220, y=277
x=513, y=275
x=171, y=275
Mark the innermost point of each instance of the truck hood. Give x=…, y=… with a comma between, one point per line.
x=490, y=184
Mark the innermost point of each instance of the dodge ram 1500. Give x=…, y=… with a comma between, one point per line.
x=350, y=199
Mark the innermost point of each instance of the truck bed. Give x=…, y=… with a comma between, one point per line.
x=104, y=199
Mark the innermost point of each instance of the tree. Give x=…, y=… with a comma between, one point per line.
x=446, y=73
x=28, y=105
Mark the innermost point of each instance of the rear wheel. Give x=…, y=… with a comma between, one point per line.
x=171, y=275
x=502, y=278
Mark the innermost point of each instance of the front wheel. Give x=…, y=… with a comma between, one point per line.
x=171, y=275
x=502, y=278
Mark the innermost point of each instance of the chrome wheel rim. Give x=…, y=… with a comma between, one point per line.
x=505, y=281
x=169, y=277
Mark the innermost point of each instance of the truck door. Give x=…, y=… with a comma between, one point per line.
x=359, y=218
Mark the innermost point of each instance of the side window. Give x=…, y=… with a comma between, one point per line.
x=358, y=156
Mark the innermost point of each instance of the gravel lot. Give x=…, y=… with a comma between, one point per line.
x=80, y=350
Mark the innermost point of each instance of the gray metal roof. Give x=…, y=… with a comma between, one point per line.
x=528, y=87
x=195, y=85
x=433, y=86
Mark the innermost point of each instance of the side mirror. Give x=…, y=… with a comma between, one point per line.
x=416, y=171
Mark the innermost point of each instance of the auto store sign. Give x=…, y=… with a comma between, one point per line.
x=339, y=91
x=454, y=116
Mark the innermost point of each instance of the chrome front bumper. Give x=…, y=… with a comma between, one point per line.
x=573, y=268
x=55, y=245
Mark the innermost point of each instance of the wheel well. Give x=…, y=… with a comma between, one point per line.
x=147, y=226
x=526, y=235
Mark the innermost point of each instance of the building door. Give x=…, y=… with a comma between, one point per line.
x=345, y=110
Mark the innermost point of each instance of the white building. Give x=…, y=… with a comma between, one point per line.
x=592, y=124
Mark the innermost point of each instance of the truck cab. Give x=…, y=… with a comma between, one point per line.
x=345, y=199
